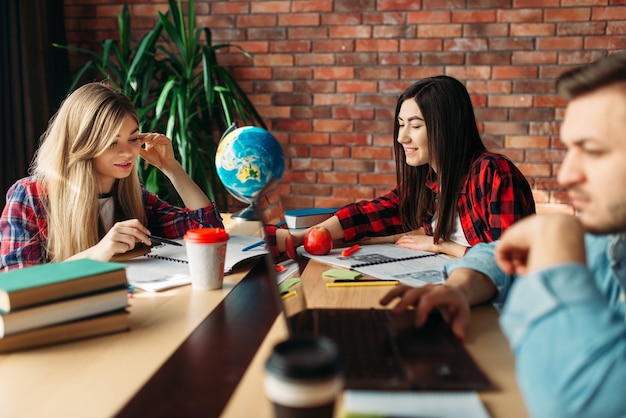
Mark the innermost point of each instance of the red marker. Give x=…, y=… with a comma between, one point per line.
x=351, y=250
x=279, y=268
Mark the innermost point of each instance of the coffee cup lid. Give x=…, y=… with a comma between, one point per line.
x=206, y=235
x=304, y=358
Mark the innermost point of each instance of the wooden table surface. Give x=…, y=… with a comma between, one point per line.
x=105, y=376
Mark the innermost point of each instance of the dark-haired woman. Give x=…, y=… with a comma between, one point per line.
x=452, y=193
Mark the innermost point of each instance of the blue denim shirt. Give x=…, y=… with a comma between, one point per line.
x=567, y=327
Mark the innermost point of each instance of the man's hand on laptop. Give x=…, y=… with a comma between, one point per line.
x=449, y=300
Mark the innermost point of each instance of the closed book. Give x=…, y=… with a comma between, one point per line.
x=68, y=331
x=63, y=311
x=304, y=218
x=44, y=283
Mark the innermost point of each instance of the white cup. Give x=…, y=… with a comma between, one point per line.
x=303, y=378
x=206, y=253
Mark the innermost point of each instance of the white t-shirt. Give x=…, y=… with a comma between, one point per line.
x=457, y=236
x=107, y=210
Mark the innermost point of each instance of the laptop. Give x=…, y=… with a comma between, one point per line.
x=378, y=350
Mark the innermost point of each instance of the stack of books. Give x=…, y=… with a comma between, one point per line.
x=58, y=302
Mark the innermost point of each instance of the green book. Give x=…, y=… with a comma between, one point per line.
x=49, y=282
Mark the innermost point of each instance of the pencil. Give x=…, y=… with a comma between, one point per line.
x=363, y=283
x=288, y=295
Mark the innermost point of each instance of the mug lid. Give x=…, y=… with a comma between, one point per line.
x=304, y=358
x=206, y=235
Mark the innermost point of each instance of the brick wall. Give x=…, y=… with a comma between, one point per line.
x=325, y=75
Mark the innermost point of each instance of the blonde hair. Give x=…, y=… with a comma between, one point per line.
x=85, y=125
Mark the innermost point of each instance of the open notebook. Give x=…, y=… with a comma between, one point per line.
x=378, y=350
x=166, y=265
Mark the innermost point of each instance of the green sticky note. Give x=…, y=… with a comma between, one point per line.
x=342, y=274
x=284, y=286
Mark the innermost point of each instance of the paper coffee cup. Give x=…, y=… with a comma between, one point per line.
x=206, y=254
x=303, y=378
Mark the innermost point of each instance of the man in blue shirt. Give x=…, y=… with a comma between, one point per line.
x=565, y=314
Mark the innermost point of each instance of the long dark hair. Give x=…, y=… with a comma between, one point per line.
x=453, y=143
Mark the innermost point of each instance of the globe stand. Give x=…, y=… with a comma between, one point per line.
x=245, y=213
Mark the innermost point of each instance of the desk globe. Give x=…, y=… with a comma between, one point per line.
x=246, y=160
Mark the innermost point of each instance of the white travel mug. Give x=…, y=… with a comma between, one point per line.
x=206, y=254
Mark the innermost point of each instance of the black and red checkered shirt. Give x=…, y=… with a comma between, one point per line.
x=24, y=224
x=495, y=195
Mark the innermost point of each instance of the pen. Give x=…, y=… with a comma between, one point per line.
x=164, y=240
x=349, y=283
x=251, y=246
x=351, y=250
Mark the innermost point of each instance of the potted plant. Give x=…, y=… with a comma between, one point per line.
x=178, y=88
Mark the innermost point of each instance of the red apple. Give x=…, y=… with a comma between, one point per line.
x=318, y=241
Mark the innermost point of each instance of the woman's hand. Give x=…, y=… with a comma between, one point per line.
x=420, y=241
x=122, y=237
x=158, y=151
x=449, y=300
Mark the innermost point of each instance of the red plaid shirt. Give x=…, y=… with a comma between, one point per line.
x=24, y=224
x=495, y=195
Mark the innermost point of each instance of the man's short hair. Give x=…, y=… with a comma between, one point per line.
x=600, y=73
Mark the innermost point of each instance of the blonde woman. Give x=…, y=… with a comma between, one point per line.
x=84, y=199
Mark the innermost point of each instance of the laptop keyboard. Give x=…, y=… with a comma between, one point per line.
x=364, y=341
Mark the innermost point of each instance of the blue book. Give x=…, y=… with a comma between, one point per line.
x=304, y=218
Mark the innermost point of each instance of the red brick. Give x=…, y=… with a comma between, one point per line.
x=473, y=16
x=338, y=178
x=341, y=19
x=488, y=86
x=520, y=15
x=533, y=29
x=608, y=13
x=249, y=21
x=567, y=14
x=350, y=32
x=376, y=45
x=551, y=101
x=349, y=139
x=421, y=45
x=314, y=59
x=403, y=5
x=311, y=5
x=309, y=138
x=485, y=29
x=429, y=17
x=333, y=46
x=376, y=73
x=383, y=18
x=560, y=43
x=333, y=73
x=605, y=42
x=519, y=141
x=332, y=151
x=290, y=46
x=307, y=33
x=439, y=31
x=466, y=72
x=514, y=72
x=372, y=153
x=534, y=57
x=357, y=86
x=465, y=44
x=443, y=58
x=237, y=7
x=510, y=101
x=299, y=19
x=333, y=99
x=353, y=113
x=260, y=7
x=333, y=125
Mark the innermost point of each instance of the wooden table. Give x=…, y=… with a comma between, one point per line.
x=140, y=373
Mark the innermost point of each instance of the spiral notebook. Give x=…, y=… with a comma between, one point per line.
x=389, y=262
x=166, y=265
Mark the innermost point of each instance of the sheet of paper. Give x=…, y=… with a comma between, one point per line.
x=415, y=404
